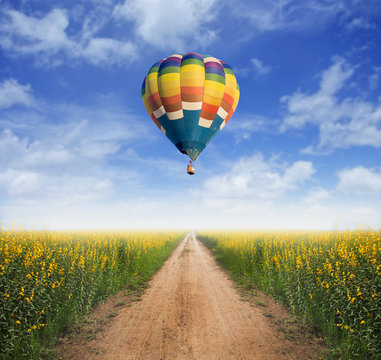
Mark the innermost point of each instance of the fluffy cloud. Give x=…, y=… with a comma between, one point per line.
x=15, y=182
x=256, y=178
x=49, y=39
x=53, y=149
x=171, y=24
x=259, y=67
x=64, y=169
x=108, y=51
x=71, y=159
x=278, y=15
x=374, y=78
x=33, y=35
x=256, y=67
x=342, y=122
x=248, y=124
x=359, y=23
x=359, y=180
x=12, y=93
x=316, y=196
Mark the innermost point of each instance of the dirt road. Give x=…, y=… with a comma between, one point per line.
x=191, y=311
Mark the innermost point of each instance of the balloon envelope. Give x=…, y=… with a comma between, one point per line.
x=190, y=98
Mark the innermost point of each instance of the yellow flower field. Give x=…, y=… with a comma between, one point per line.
x=48, y=279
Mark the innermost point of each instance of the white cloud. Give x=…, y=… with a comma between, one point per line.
x=55, y=151
x=108, y=51
x=316, y=196
x=16, y=182
x=374, y=78
x=12, y=93
x=259, y=67
x=249, y=124
x=269, y=198
x=174, y=24
x=359, y=23
x=32, y=186
x=298, y=173
x=46, y=34
x=77, y=189
x=342, y=122
x=78, y=136
x=45, y=37
x=256, y=67
x=255, y=178
x=75, y=159
x=359, y=180
x=241, y=71
x=217, y=213
x=286, y=14
x=334, y=77
x=48, y=38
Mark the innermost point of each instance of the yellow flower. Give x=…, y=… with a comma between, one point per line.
x=18, y=322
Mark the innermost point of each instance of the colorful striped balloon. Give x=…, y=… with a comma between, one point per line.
x=190, y=98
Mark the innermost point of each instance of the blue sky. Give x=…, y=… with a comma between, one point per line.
x=78, y=150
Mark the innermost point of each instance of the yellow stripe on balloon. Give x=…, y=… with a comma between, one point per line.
x=168, y=77
x=214, y=88
x=236, y=98
x=212, y=100
x=145, y=102
x=151, y=84
x=231, y=85
x=169, y=91
x=193, y=68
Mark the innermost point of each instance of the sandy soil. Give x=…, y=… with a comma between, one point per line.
x=192, y=311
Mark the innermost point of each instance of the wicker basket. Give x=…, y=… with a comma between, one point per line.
x=190, y=170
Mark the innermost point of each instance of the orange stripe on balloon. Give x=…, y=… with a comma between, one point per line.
x=171, y=99
x=210, y=108
x=196, y=98
x=173, y=107
x=228, y=99
x=154, y=101
x=208, y=115
x=154, y=97
x=194, y=90
x=225, y=105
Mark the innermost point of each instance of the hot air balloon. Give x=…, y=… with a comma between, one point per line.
x=190, y=98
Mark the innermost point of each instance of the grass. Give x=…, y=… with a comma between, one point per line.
x=260, y=303
x=112, y=315
x=120, y=303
